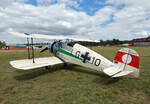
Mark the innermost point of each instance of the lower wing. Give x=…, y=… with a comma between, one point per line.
x=27, y=64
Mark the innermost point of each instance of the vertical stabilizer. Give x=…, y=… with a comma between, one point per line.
x=128, y=59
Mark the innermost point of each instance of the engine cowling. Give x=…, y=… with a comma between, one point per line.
x=52, y=47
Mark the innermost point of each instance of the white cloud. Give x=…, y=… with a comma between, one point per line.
x=116, y=2
x=45, y=2
x=67, y=3
x=132, y=19
x=5, y=3
x=130, y=22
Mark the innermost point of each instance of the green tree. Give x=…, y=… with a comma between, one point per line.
x=2, y=44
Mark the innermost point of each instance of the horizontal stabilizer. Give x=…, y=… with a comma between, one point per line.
x=122, y=73
x=117, y=72
x=112, y=70
x=27, y=64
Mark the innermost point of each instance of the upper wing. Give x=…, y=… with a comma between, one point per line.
x=59, y=37
x=27, y=64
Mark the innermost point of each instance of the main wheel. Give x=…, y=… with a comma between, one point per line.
x=48, y=67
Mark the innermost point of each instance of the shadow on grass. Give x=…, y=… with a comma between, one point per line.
x=106, y=80
x=30, y=74
x=103, y=78
x=81, y=70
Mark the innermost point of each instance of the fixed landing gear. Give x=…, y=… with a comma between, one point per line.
x=56, y=67
x=50, y=68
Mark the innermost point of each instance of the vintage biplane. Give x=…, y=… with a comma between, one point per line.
x=126, y=61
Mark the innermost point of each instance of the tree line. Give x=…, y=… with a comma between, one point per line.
x=104, y=42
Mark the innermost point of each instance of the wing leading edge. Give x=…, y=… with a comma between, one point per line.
x=53, y=37
x=28, y=64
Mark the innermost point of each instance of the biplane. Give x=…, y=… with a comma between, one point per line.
x=126, y=61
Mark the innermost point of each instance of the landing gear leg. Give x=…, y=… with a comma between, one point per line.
x=65, y=64
x=48, y=67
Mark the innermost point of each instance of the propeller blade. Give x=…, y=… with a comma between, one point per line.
x=45, y=49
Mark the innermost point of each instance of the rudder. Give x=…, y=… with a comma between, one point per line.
x=128, y=59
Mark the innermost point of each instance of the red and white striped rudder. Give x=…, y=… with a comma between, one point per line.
x=128, y=59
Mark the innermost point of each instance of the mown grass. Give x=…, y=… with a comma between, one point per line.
x=73, y=84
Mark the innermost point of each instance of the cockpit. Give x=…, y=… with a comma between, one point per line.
x=59, y=44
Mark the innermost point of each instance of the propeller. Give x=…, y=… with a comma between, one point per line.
x=45, y=49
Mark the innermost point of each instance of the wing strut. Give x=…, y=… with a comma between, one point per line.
x=32, y=50
x=28, y=44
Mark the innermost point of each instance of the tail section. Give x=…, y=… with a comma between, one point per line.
x=128, y=57
x=128, y=60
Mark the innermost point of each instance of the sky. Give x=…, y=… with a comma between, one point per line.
x=92, y=19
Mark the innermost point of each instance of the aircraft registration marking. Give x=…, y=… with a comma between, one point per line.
x=95, y=61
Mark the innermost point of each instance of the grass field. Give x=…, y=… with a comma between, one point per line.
x=73, y=84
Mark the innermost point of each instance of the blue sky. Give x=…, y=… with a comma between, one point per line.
x=32, y=2
x=90, y=6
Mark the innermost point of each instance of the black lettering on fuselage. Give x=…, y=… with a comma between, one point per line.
x=96, y=61
x=85, y=57
x=78, y=53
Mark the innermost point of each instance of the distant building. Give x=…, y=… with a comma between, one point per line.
x=17, y=47
x=141, y=42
